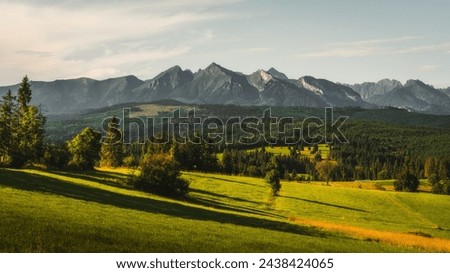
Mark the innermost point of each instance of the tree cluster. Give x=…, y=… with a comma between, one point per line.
x=21, y=128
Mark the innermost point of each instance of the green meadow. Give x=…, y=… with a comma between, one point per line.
x=47, y=211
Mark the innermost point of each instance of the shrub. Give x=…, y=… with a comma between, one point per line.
x=406, y=182
x=160, y=174
x=84, y=149
x=56, y=157
x=130, y=161
x=253, y=171
x=441, y=187
x=433, y=179
x=378, y=186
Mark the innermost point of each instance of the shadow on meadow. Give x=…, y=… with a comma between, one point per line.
x=106, y=178
x=38, y=183
x=324, y=204
x=226, y=180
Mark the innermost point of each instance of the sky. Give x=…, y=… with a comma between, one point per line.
x=346, y=41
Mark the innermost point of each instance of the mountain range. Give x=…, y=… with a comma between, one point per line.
x=218, y=85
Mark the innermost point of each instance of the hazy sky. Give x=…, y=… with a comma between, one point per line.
x=340, y=40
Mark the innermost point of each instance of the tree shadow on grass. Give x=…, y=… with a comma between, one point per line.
x=223, y=196
x=325, y=204
x=97, y=176
x=223, y=206
x=39, y=183
x=227, y=180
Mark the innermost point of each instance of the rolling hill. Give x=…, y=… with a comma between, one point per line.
x=47, y=211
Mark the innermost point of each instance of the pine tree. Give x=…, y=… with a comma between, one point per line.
x=24, y=94
x=31, y=123
x=227, y=161
x=8, y=127
x=273, y=176
x=112, y=151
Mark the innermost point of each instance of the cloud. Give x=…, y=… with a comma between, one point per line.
x=428, y=68
x=374, y=47
x=257, y=49
x=54, y=39
x=425, y=48
x=34, y=53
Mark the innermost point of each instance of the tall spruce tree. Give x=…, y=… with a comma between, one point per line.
x=30, y=132
x=24, y=93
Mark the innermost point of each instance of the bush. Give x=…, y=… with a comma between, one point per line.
x=433, y=179
x=441, y=187
x=378, y=186
x=56, y=157
x=160, y=174
x=406, y=182
x=253, y=171
x=84, y=149
x=130, y=161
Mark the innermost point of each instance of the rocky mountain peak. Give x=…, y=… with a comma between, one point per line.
x=277, y=74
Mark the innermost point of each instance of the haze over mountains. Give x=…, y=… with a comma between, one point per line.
x=218, y=85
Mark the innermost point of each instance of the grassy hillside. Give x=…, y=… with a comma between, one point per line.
x=43, y=211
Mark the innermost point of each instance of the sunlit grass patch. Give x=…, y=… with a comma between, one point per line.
x=423, y=240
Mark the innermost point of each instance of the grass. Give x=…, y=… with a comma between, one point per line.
x=47, y=211
x=323, y=149
x=387, y=184
x=421, y=213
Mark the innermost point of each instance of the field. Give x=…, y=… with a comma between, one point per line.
x=385, y=185
x=323, y=149
x=96, y=211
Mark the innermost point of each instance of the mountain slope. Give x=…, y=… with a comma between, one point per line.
x=282, y=93
x=277, y=74
x=368, y=90
x=217, y=85
x=162, y=85
x=416, y=96
x=333, y=94
x=65, y=96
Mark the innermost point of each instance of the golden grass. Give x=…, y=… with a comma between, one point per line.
x=120, y=170
x=389, y=237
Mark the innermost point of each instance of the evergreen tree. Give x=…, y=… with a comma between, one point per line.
x=8, y=127
x=273, y=176
x=112, y=151
x=31, y=133
x=406, y=181
x=24, y=94
x=227, y=161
